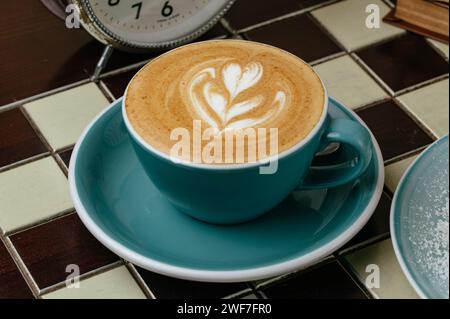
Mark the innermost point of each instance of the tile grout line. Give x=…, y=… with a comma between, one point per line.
x=124, y=69
x=84, y=276
x=416, y=120
x=25, y=161
x=241, y=293
x=226, y=25
x=106, y=91
x=436, y=48
x=41, y=95
x=371, y=73
x=140, y=281
x=325, y=30
x=356, y=280
x=328, y=58
x=406, y=155
x=23, y=269
x=40, y=222
x=421, y=85
x=271, y=281
x=273, y=20
x=364, y=244
x=287, y=16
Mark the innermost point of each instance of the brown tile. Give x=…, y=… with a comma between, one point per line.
x=310, y=3
x=39, y=53
x=12, y=284
x=394, y=130
x=246, y=13
x=298, y=35
x=118, y=83
x=377, y=225
x=171, y=288
x=18, y=139
x=65, y=156
x=329, y=281
x=404, y=61
x=47, y=250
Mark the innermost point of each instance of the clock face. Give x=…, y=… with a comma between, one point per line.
x=145, y=22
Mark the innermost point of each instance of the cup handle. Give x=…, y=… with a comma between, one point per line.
x=344, y=132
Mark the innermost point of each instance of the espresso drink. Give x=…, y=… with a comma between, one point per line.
x=227, y=85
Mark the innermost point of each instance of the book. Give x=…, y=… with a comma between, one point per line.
x=426, y=17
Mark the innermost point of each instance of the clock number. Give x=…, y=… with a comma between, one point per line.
x=167, y=10
x=113, y=3
x=139, y=7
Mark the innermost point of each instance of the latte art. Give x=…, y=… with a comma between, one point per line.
x=226, y=85
x=214, y=94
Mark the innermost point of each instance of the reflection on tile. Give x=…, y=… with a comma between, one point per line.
x=430, y=105
x=346, y=21
x=18, y=139
x=113, y=284
x=246, y=13
x=65, y=156
x=377, y=225
x=395, y=171
x=167, y=287
x=393, y=283
x=442, y=47
x=325, y=282
x=348, y=83
x=32, y=193
x=404, y=61
x=298, y=35
x=47, y=250
x=12, y=284
x=117, y=84
x=62, y=117
x=394, y=130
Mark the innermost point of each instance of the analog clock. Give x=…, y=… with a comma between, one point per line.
x=149, y=24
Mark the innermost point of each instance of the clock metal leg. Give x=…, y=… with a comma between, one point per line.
x=102, y=62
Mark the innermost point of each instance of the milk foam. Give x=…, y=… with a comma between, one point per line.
x=227, y=84
x=205, y=96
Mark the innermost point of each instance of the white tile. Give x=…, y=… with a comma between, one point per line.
x=346, y=21
x=395, y=171
x=113, y=284
x=430, y=105
x=393, y=283
x=32, y=193
x=440, y=46
x=346, y=81
x=62, y=117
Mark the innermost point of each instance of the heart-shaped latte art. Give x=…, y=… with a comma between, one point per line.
x=208, y=96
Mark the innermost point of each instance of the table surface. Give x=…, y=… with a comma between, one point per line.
x=396, y=81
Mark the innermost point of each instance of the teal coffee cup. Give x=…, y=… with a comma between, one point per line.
x=236, y=193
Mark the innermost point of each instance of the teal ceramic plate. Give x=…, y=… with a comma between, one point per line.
x=419, y=222
x=123, y=210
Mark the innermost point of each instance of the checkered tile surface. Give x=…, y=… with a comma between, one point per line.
x=396, y=81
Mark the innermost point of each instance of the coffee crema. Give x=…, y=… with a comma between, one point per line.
x=227, y=85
